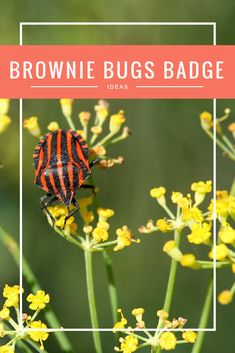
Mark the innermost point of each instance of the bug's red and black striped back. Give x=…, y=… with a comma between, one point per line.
x=61, y=163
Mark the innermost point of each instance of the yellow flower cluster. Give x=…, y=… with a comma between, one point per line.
x=197, y=225
x=37, y=302
x=165, y=340
x=93, y=135
x=59, y=213
x=5, y=120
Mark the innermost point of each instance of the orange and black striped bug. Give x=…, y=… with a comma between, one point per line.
x=61, y=162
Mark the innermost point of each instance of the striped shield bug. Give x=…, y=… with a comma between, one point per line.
x=61, y=162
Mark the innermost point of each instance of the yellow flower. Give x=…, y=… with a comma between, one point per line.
x=4, y=106
x=39, y=300
x=172, y=250
x=100, y=234
x=163, y=225
x=233, y=268
x=86, y=215
x=105, y=213
x=58, y=211
x=162, y=314
x=167, y=341
x=101, y=111
x=116, y=121
x=84, y=117
x=7, y=349
x=4, y=314
x=99, y=151
x=188, y=260
x=176, y=196
x=96, y=130
x=5, y=121
x=73, y=228
x=124, y=238
x=87, y=229
x=38, y=336
x=120, y=324
x=126, y=132
x=32, y=125
x=192, y=214
x=12, y=295
x=225, y=297
x=221, y=252
x=231, y=128
x=138, y=313
x=201, y=188
x=189, y=336
x=103, y=224
x=2, y=331
x=128, y=345
x=227, y=235
x=199, y=233
x=184, y=202
x=206, y=120
x=66, y=107
x=53, y=126
x=61, y=221
x=158, y=194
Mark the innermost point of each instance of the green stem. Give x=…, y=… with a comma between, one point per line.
x=228, y=143
x=221, y=145
x=31, y=279
x=70, y=123
x=204, y=318
x=36, y=347
x=112, y=289
x=232, y=190
x=111, y=286
x=91, y=300
x=23, y=347
x=172, y=277
x=105, y=139
x=170, y=288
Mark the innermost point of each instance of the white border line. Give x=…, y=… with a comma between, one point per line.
x=213, y=24
x=118, y=23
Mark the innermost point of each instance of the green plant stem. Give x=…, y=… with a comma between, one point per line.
x=111, y=286
x=170, y=289
x=91, y=300
x=204, y=318
x=112, y=289
x=221, y=145
x=70, y=123
x=31, y=279
x=172, y=277
x=228, y=143
x=232, y=189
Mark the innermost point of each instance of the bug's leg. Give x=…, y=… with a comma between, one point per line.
x=46, y=201
x=71, y=213
x=94, y=162
x=92, y=187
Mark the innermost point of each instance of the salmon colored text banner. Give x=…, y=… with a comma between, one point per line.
x=117, y=71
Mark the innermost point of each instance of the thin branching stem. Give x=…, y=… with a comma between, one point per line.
x=11, y=245
x=91, y=300
x=204, y=319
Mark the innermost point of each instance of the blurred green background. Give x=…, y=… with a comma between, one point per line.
x=167, y=147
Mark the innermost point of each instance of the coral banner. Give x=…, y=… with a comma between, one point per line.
x=117, y=71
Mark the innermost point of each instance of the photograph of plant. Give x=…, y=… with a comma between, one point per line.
x=132, y=260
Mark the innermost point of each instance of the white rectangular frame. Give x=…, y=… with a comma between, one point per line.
x=22, y=24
